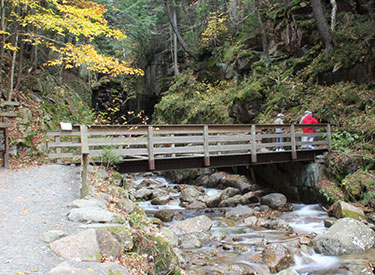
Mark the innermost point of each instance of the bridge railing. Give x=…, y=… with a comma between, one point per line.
x=173, y=141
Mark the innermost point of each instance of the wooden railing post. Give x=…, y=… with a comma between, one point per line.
x=151, y=158
x=293, y=140
x=329, y=137
x=253, y=144
x=205, y=145
x=58, y=149
x=6, y=148
x=85, y=190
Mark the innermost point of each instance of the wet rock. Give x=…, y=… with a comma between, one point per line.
x=346, y=236
x=190, y=194
x=196, y=205
x=52, y=235
x=193, y=225
x=160, y=200
x=250, y=197
x=239, y=212
x=232, y=201
x=93, y=214
x=151, y=183
x=251, y=221
x=159, y=193
x=188, y=242
x=274, y=225
x=341, y=209
x=289, y=271
x=80, y=247
x=274, y=200
x=222, y=179
x=143, y=194
x=165, y=215
x=213, y=200
x=229, y=192
x=89, y=202
x=244, y=269
x=169, y=235
x=108, y=244
x=329, y=221
x=278, y=257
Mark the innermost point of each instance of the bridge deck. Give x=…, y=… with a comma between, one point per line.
x=166, y=147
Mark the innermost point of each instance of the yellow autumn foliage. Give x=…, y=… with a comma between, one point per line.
x=81, y=20
x=215, y=27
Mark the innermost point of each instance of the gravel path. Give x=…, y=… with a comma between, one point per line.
x=34, y=201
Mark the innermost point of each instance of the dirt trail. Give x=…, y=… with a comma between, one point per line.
x=33, y=201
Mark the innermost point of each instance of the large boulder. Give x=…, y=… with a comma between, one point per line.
x=341, y=209
x=277, y=257
x=222, y=180
x=212, y=200
x=193, y=225
x=190, y=194
x=80, y=247
x=94, y=214
x=229, y=192
x=274, y=200
x=346, y=236
x=240, y=211
x=108, y=244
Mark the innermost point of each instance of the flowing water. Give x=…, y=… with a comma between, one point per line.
x=236, y=248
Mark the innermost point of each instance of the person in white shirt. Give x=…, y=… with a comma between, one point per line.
x=279, y=120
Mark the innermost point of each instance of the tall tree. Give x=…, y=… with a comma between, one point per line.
x=322, y=24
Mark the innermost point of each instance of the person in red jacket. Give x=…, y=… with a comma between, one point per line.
x=308, y=119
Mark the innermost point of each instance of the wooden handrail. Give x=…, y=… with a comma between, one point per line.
x=167, y=141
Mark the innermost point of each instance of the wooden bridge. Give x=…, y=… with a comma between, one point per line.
x=140, y=148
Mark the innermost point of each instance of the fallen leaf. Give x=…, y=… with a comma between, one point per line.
x=25, y=211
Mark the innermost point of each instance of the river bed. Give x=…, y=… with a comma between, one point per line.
x=237, y=247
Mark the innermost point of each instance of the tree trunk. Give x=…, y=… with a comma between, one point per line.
x=175, y=61
x=20, y=65
x=322, y=24
x=176, y=31
x=12, y=69
x=263, y=34
x=333, y=15
x=2, y=51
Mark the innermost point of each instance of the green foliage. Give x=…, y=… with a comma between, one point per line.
x=190, y=101
x=360, y=186
x=330, y=191
x=109, y=158
x=250, y=92
x=342, y=141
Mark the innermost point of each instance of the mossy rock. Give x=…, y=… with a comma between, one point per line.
x=359, y=182
x=164, y=257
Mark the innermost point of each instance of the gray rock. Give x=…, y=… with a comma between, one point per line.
x=65, y=269
x=232, y=201
x=250, y=197
x=213, y=200
x=346, y=236
x=52, y=235
x=79, y=247
x=108, y=244
x=196, y=205
x=189, y=242
x=193, y=225
x=229, y=192
x=277, y=257
x=89, y=202
x=143, y=194
x=251, y=221
x=124, y=235
x=190, y=194
x=274, y=200
x=126, y=205
x=341, y=209
x=160, y=200
x=93, y=214
x=289, y=271
x=239, y=211
x=329, y=221
x=165, y=215
x=169, y=235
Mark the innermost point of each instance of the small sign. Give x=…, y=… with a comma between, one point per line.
x=66, y=126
